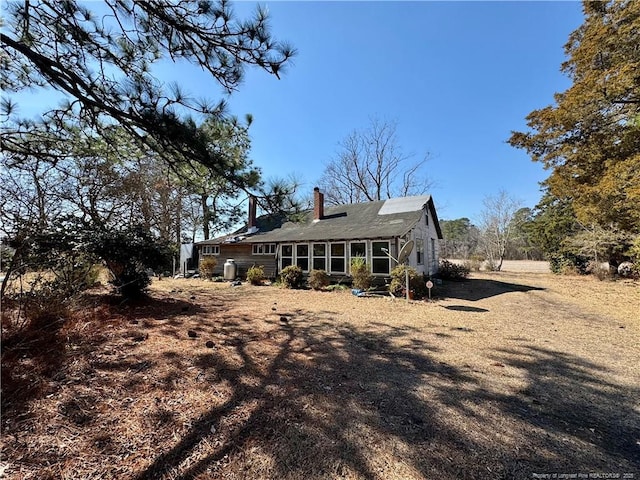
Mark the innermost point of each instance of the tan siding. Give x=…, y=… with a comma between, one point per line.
x=244, y=259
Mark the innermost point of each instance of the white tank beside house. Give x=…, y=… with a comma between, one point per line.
x=230, y=269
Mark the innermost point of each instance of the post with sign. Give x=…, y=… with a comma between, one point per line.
x=429, y=286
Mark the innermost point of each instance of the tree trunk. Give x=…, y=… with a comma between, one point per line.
x=206, y=216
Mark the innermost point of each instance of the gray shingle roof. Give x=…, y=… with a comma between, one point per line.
x=382, y=219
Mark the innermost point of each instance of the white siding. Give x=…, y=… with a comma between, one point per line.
x=427, y=232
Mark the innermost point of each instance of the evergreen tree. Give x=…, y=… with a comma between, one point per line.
x=590, y=137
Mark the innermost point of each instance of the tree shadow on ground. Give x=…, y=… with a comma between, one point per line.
x=329, y=389
x=315, y=398
x=475, y=289
x=585, y=415
x=35, y=356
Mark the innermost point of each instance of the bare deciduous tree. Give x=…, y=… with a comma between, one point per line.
x=498, y=225
x=372, y=166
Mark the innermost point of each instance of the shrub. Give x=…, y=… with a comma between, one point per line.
x=417, y=282
x=452, y=271
x=474, y=263
x=128, y=254
x=207, y=265
x=599, y=270
x=318, y=279
x=291, y=277
x=567, y=263
x=634, y=255
x=362, y=278
x=490, y=265
x=255, y=275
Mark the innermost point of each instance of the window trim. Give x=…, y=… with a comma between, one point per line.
x=343, y=257
x=313, y=256
x=387, y=257
x=295, y=251
x=266, y=249
x=281, y=256
x=211, y=250
x=420, y=260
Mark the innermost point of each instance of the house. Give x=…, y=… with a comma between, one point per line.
x=327, y=238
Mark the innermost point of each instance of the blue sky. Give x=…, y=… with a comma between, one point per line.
x=456, y=77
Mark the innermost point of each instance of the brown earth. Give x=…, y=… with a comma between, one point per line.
x=505, y=375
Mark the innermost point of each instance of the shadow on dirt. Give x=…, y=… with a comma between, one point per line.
x=466, y=308
x=475, y=289
x=35, y=356
x=358, y=398
x=318, y=398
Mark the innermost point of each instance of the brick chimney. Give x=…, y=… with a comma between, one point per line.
x=252, y=212
x=318, y=204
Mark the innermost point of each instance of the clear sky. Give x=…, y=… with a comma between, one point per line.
x=456, y=77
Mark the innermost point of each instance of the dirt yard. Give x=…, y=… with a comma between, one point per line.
x=504, y=376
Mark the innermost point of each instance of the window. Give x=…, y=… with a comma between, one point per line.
x=319, y=251
x=211, y=250
x=286, y=258
x=302, y=256
x=380, y=262
x=337, y=261
x=420, y=250
x=264, y=248
x=358, y=249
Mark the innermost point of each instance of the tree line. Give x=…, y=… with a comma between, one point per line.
x=504, y=232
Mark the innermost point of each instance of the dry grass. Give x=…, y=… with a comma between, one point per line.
x=504, y=375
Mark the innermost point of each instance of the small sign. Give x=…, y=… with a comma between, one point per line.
x=429, y=286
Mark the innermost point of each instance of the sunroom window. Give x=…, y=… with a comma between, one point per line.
x=286, y=256
x=302, y=256
x=337, y=261
x=319, y=251
x=380, y=262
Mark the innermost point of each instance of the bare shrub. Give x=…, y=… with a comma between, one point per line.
x=207, y=265
x=473, y=263
x=452, y=271
x=318, y=279
x=599, y=270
